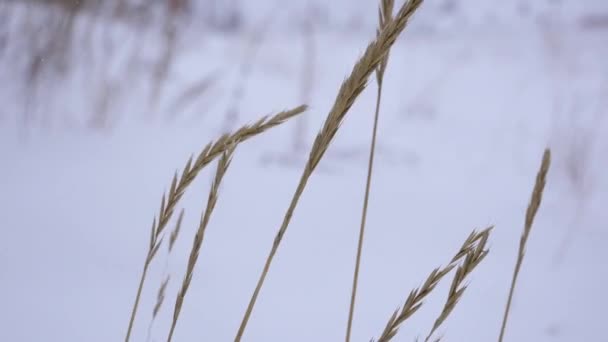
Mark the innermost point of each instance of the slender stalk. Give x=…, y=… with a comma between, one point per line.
x=363, y=217
x=350, y=89
x=385, y=14
x=154, y=247
x=137, y=297
x=537, y=194
x=273, y=251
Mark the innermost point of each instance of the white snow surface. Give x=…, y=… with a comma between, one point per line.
x=464, y=122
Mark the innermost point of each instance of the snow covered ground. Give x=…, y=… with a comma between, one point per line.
x=465, y=119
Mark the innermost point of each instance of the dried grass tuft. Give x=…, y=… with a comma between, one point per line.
x=473, y=255
x=374, y=60
x=350, y=89
x=210, y=152
x=473, y=251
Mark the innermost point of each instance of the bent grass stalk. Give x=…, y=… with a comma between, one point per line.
x=210, y=152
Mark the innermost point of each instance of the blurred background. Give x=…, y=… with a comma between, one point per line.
x=102, y=101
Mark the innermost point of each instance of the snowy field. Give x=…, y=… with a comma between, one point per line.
x=464, y=121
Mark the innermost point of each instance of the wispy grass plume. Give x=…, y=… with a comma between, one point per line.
x=210, y=152
x=473, y=255
x=385, y=14
x=175, y=232
x=160, y=295
x=222, y=167
x=473, y=251
x=535, y=200
x=350, y=89
x=160, y=299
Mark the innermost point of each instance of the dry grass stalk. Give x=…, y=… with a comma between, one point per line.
x=160, y=296
x=191, y=170
x=222, y=167
x=385, y=14
x=473, y=251
x=349, y=91
x=172, y=238
x=535, y=200
x=209, y=153
x=473, y=255
x=175, y=232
